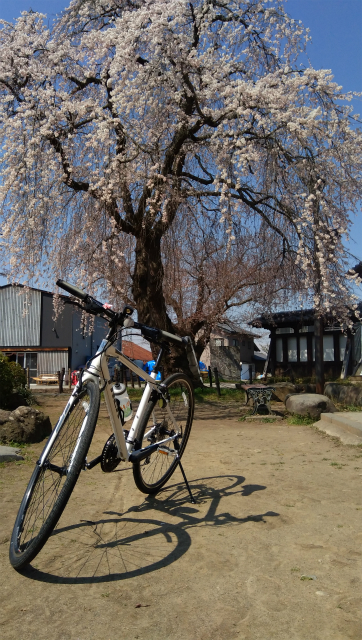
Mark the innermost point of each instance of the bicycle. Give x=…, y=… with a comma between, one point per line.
x=154, y=443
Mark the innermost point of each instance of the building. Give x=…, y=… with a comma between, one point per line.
x=292, y=344
x=30, y=336
x=135, y=352
x=232, y=349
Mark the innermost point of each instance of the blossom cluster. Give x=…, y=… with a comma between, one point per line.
x=126, y=113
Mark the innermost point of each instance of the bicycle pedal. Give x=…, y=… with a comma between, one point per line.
x=167, y=452
x=110, y=459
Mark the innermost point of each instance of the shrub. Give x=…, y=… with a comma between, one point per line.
x=12, y=378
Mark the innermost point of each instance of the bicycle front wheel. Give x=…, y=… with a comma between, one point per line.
x=55, y=475
x=159, y=423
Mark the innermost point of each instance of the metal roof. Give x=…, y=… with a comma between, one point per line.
x=230, y=327
x=297, y=316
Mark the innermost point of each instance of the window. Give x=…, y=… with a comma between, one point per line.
x=234, y=343
x=250, y=344
x=279, y=350
x=243, y=343
x=31, y=363
x=20, y=359
x=307, y=329
x=292, y=350
x=219, y=342
x=328, y=349
x=303, y=351
x=342, y=346
x=284, y=330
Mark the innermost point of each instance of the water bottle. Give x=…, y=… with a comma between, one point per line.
x=122, y=402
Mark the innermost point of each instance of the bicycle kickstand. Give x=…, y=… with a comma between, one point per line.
x=177, y=446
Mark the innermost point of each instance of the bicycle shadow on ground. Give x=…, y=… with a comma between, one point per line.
x=174, y=500
x=121, y=546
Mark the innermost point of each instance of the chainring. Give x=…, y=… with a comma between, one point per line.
x=110, y=459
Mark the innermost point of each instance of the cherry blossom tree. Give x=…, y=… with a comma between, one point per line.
x=210, y=278
x=128, y=114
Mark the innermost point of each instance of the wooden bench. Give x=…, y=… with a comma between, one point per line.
x=46, y=378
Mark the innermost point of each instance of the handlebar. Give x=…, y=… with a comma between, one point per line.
x=155, y=335
x=91, y=305
x=74, y=291
x=97, y=308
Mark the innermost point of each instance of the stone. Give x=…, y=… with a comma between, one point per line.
x=8, y=454
x=349, y=394
x=282, y=390
x=305, y=388
x=25, y=424
x=4, y=416
x=309, y=404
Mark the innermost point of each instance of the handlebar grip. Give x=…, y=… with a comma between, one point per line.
x=74, y=291
x=170, y=337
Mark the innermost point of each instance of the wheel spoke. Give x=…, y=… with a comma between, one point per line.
x=152, y=472
x=51, y=484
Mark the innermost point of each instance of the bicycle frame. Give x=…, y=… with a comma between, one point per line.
x=99, y=368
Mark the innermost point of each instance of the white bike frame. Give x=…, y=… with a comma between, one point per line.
x=98, y=370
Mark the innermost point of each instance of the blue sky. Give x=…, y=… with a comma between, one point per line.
x=336, y=30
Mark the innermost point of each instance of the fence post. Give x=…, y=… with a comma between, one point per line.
x=251, y=373
x=217, y=381
x=60, y=380
x=210, y=376
x=27, y=377
x=70, y=378
x=139, y=381
x=131, y=377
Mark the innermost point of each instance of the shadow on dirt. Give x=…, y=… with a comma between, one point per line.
x=121, y=546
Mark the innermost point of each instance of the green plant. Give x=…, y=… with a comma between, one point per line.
x=135, y=393
x=227, y=395
x=17, y=445
x=6, y=381
x=349, y=407
x=18, y=375
x=27, y=395
x=12, y=379
x=300, y=420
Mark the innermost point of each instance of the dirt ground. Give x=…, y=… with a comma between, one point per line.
x=271, y=550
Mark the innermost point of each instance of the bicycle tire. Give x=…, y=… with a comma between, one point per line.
x=152, y=473
x=52, y=483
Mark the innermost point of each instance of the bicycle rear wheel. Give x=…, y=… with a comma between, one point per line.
x=158, y=423
x=55, y=475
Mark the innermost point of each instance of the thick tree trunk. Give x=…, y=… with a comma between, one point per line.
x=149, y=298
x=319, y=363
x=147, y=282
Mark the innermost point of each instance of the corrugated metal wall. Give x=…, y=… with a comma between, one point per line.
x=19, y=317
x=52, y=361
